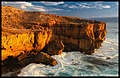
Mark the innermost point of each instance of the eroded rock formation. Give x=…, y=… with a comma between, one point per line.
x=15, y=43
x=34, y=36
x=85, y=37
x=55, y=47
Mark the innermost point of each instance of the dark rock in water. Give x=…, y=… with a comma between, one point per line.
x=11, y=74
x=108, y=58
x=45, y=58
x=13, y=64
x=98, y=61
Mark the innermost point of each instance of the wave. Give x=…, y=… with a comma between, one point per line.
x=72, y=64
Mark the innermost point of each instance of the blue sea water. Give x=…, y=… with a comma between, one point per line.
x=104, y=62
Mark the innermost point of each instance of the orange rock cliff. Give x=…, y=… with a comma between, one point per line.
x=26, y=34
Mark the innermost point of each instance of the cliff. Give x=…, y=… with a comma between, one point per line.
x=85, y=37
x=35, y=36
x=16, y=41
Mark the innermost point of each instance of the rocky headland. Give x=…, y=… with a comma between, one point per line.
x=33, y=37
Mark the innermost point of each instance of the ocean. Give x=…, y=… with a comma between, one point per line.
x=104, y=62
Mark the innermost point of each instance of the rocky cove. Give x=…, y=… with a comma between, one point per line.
x=33, y=37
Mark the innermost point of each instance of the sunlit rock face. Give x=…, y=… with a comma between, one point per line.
x=26, y=35
x=84, y=36
x=17, y=43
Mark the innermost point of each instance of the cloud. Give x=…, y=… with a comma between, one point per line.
x=97, y=5
x=106, y=6
x=18, y=3
x=101, y=6
x=25, y=6
x=30, y=7
x=37, y=8
x=85, y=5
x=72, y=6
x=51, y=3
x=54, y=9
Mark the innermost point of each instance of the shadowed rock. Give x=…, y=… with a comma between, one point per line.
x=13, y=64
x=54, y=47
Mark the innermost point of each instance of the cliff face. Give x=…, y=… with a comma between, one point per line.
x=85, y=36
x=14, y=43
x=25, y=34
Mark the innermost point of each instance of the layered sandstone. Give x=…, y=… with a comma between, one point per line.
x=85, y=37
x=35, y=35
x=15, y=42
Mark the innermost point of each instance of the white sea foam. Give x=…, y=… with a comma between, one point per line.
x=73, y=64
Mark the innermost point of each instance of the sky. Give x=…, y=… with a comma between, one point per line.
x=83, y=9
